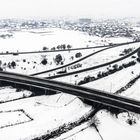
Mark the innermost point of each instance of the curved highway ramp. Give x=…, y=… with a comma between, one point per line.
x=42, y=117
x=82, y=92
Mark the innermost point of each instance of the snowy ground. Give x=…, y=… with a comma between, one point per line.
x=32, y=117
x=136, y=29
x=9, y=94
x=46, y=113
x=31, y=63
x=133, y=92
x=112, y=128
x=97, y=59
x=115, y=81
x=82, y=132
x=80, y=76
x=35, y=40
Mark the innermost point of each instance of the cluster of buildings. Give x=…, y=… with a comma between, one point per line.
x=101, y=28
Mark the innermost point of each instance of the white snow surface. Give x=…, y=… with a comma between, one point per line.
x=111, y=128
x=9, y=94
x=31, y=63
x=50, y=112
x=115, y=81
x=34, y=40
x=97, y=59
x=46, y=117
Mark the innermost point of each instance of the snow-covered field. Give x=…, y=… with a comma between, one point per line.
x=46, y=117
x=97, y=59
x=12, y=117
x=35, y=40
x=32, y=63
x=9, y=94
x=40, y=115
x=115, y=81
x=136, y=29
x=112, y=128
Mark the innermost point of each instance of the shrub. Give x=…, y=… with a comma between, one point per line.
x=77, y=55
x=44, y=61
x=69, y=46
x=115, y=66
x=13, y=64
x=131, y=121
x=58, y=58
x=24, y=60
x=44, y=48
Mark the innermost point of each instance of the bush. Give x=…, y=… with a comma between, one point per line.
x=77, y=55
x=44, y=61
x=58, y=58
x=13, y=64
x=24, y=60
x=131, y=121
x=69, y=46
x=45, y=48
x=115, y=66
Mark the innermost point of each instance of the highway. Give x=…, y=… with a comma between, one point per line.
x=69, y=64
x=82, y=92
x=83, y=58
x=94, y=67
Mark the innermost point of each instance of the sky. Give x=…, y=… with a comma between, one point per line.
x=69, y=8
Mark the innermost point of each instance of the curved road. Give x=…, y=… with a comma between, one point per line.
x=82, y=92
x=108, y=47
x=94, y=67
x=69, y=63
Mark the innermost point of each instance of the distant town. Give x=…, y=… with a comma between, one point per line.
x=101, y=28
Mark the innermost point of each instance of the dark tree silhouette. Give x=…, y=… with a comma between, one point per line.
x=77, y=55
x=45, y=48
x=44, y=61
x=13, y=64
x=58, y=58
